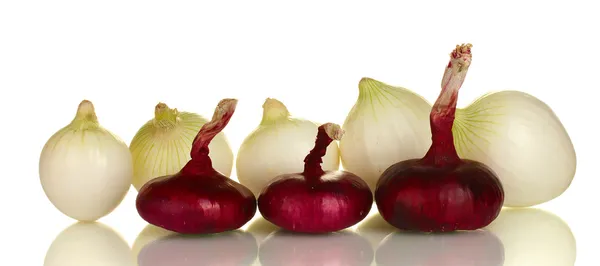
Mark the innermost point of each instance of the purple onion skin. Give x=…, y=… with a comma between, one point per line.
x=319, y=204
x=198, y=199
x=415, y=196
x=196, y=204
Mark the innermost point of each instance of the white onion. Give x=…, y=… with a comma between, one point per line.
x=85, y=170
x=386, y=125
x=522, y=140
x=278, y=146
x=162, y=145
x=515, y=134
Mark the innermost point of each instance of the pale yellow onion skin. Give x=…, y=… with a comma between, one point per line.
x=90, y=244
x=160, y=150
x=386, y=125
x=278, y=146
x=85, y=170
x=522, y=140
x=534, y=237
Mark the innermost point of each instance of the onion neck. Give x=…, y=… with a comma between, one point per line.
x=85, y=118
x=165, y=117
x=273, y=110
x=325, y=135
x=442, y=151
x=200, y=161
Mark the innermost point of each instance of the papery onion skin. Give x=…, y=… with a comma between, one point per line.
x=278, y=146
x=85, y=170
x=386, y=125
x=441, y=192
x=198, y=199
x=522, y=140
x=161, y=146
x=316, y=201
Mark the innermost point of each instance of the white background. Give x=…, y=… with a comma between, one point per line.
x=126, y=56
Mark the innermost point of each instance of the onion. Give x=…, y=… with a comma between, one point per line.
x=161, y=146
x=198, y=199
x=85, y=170
x=534, y=237
x=441, y=192
x=463, y=248
x=515, y=134
x=228, y=249
x=387, y=124
x=89, y=243
x=522, y=140
x=316, y=201
x=277, y=147
x=340, y=248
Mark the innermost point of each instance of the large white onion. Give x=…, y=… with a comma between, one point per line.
x=522, y=140
x=162, y=145
x=386, y=125
x=278, y=146
x=85, y=170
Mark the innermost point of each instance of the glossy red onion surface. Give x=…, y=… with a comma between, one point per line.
x=198, y=199
x=441, y=192
x=316, y=201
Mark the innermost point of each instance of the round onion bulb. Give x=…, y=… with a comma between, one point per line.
x=386, y=125
x=278, y=146
x=161, y=146
x=85, y=170
x=522, y=140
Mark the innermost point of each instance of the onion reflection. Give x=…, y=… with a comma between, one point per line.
x=234, y=248
x=340, y=248
x=473, y=248
x=534, y=237
x=149, y=234
x=260, y=228
x=91, y=244
x=375, y=229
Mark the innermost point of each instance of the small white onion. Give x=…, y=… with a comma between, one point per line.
x=522, y=140
x=386, y=125
x=278, y=146
x=85, y=170
x=162, y=145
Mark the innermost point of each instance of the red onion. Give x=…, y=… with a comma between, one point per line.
x=316, y=201
x=198, y=199
x=441, y=192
